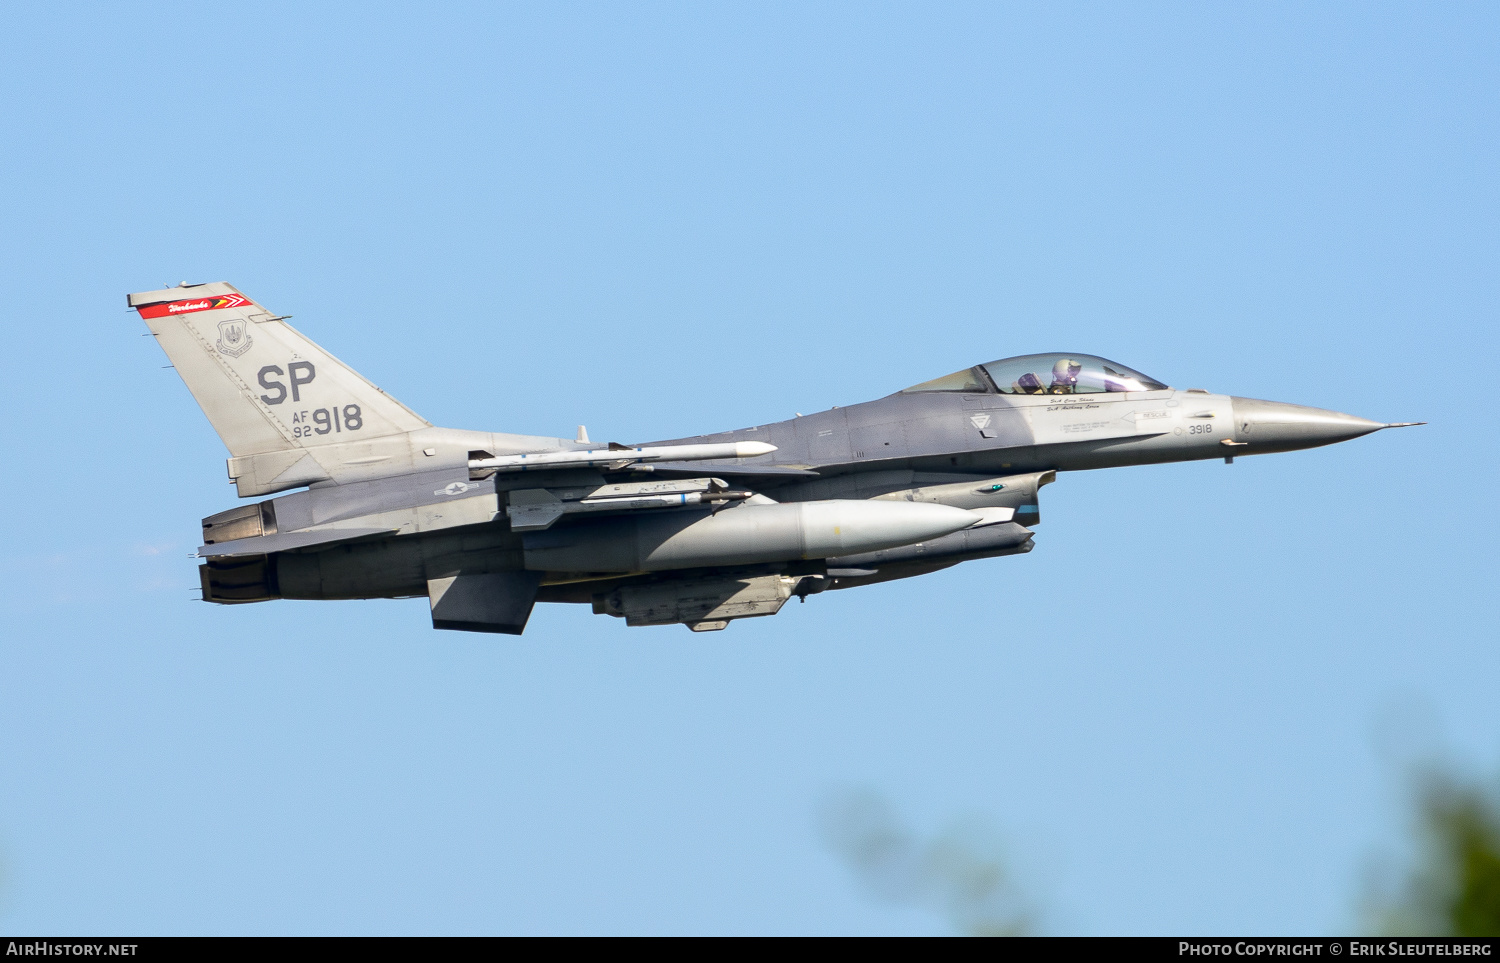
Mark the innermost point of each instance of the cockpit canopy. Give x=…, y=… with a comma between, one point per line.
x=1043, y=374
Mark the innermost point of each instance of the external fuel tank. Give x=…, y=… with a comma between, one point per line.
x=745, y=534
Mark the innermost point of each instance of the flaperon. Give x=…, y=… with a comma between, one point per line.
x=698, y=531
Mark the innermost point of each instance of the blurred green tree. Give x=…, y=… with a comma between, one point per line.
x=960, y=872
x=1453, y=888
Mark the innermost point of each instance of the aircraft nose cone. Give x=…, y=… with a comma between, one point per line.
x=1275, y=426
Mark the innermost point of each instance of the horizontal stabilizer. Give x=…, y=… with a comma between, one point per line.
x=266, y=544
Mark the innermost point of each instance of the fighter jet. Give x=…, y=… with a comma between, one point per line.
x=695, y=531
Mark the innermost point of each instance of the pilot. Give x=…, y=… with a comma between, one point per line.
x=1065, y=376
x=1028, y=384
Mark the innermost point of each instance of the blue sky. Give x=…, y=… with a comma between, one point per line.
x=660, y=220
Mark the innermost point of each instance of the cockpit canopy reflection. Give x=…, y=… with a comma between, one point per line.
x=1043, y=374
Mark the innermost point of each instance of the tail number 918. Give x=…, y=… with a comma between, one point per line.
x=323, y=421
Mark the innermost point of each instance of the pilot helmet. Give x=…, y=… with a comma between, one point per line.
x=1065, y=373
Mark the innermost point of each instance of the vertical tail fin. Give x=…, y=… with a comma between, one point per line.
x=263, y=385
